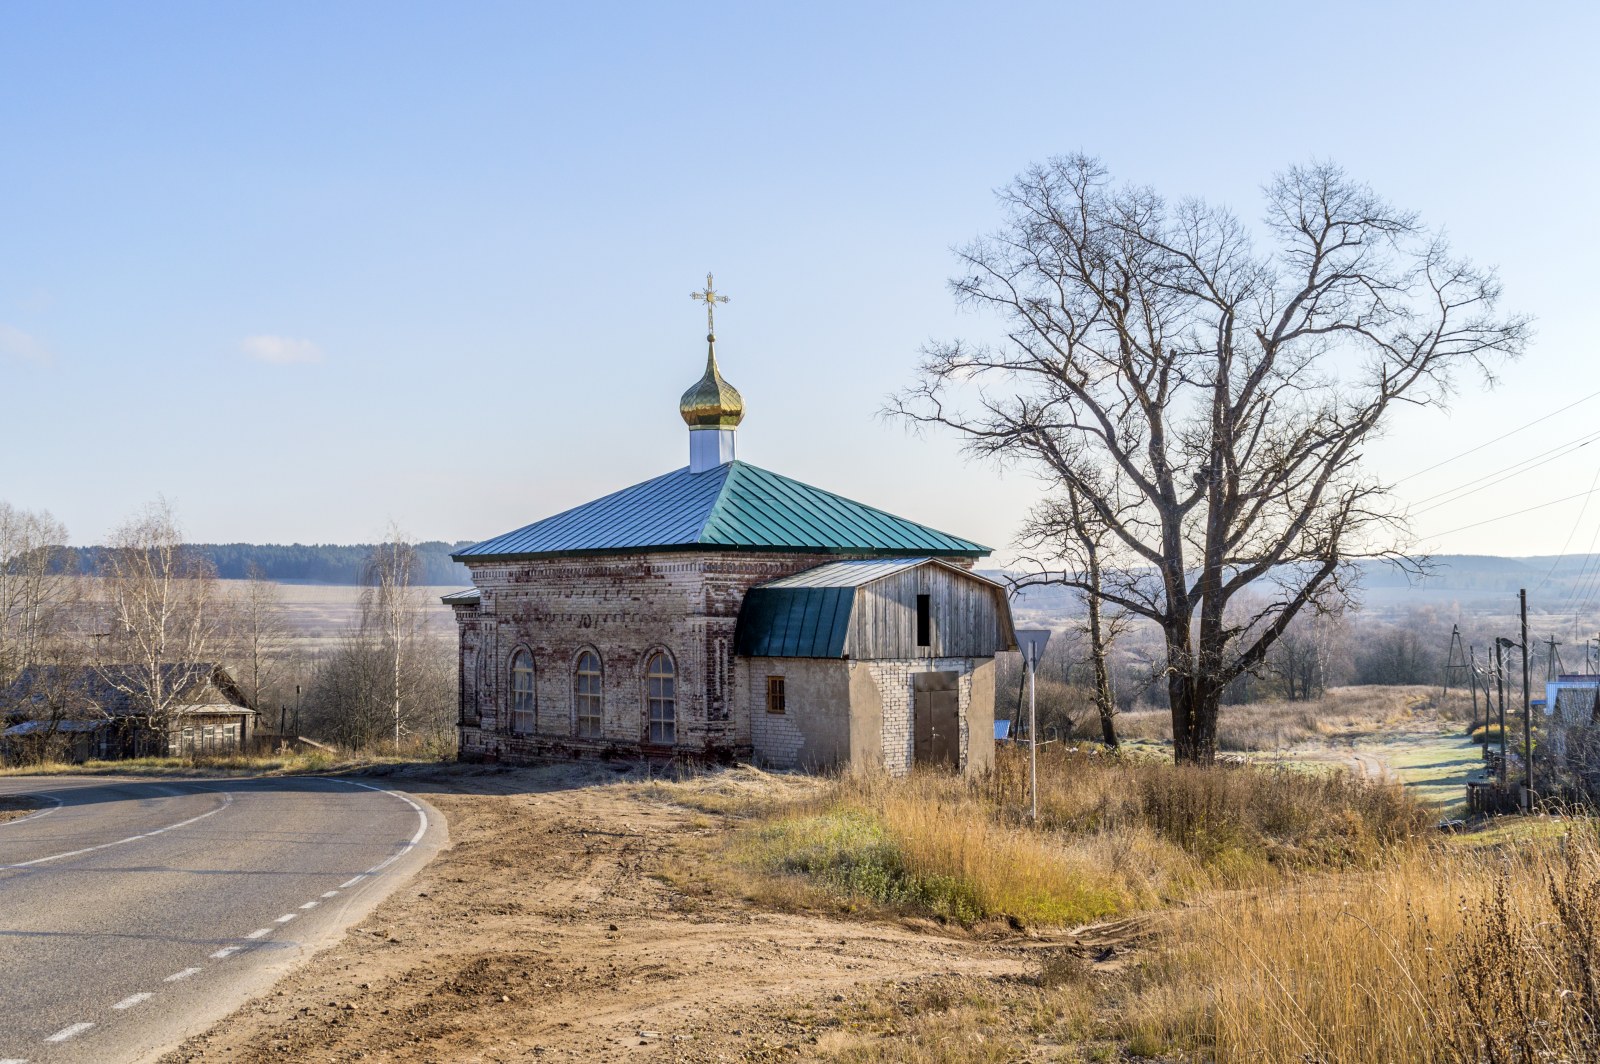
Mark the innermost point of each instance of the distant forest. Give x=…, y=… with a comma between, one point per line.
x=314, y=563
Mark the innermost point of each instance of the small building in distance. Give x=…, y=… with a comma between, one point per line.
x=93, y=713
x=722, y=610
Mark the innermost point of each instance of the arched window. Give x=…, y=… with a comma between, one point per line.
x=661, y=702
x=586, y=695
x=522, y=692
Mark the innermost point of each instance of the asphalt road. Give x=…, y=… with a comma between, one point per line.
x=135, y=913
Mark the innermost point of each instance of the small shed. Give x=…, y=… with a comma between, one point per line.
x=877, y=663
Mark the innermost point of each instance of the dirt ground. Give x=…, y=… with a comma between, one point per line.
x=544, y=934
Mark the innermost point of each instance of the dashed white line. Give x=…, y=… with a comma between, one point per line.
x=285, y=918
x=12, y=1060
x=227, y=800
x=127, y=1003
x=330, y=894
x=347, y=884
x=260, y=932
x=225, y=952
x=69, y=1032
x=186, y=973
x=311, y=905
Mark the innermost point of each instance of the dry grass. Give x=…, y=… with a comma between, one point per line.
x=1343, y=713
x=1459, y=955
x=1115, y=834
x=284, y=764
x=1451, y=954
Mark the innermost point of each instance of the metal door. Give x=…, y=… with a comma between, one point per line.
x=937, y=718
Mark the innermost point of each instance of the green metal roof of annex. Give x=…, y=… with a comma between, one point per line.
x=736, y=506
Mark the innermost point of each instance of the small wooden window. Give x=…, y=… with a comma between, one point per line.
x=775, y=698
x=924, y=620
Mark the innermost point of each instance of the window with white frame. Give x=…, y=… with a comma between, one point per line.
x=522, y=716
x=661, y=700
x=586, y=696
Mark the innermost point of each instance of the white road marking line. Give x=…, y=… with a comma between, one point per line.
x=285, y=918
x=128, y=1002
x=32, y=816
x=227, y=800
x=422, y=826
x=186, y=973
x=347, y=884
x=225, y=951
x=260, y=932
x=330, y=893
x=13, y=1060
x=69, y=1032
x=311, y=905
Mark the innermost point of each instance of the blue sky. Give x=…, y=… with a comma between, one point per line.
x=307, y=268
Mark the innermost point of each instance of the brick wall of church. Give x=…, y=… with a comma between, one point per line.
x=623, y=608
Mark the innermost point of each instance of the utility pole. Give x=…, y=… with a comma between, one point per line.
x=1552, y=660
x=1455, y=658
x=1472, y=679
x=1500, y=644
x=1527, y=699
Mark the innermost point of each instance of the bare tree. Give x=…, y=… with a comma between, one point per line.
x=1072, y=531
x=1301, y=656
x=1207, y=399
x=259, y=635
x=395, y=606
x=161, y=608
x=38, y=591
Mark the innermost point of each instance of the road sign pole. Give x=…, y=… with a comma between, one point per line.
x=1033, y=736
x=1031, y=641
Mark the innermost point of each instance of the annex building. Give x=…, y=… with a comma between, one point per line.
x=722, y=610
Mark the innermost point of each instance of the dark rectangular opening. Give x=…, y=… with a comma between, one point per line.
x=776, y=700
x=924, y=620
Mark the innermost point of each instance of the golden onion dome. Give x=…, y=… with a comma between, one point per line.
x=712, y=403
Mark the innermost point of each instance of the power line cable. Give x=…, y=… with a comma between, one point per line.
x=1514, y=513
x=1583, y=510
x=1497, y=439
x=1515, y=469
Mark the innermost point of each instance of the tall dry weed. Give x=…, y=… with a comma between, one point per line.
x=1448, y=955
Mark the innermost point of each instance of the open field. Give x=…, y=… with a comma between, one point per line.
x=319, y=613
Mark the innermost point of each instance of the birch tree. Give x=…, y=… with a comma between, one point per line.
x=259, y=634
x=161, y=610
x=1210, y=397
x=393, y=607
x=38, y=591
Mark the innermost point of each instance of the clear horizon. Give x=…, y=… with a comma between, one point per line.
x=305, y=271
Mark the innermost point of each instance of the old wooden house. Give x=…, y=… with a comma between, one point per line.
x=96, y=712
x=726, y=611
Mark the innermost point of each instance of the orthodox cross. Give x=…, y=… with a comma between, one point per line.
x=710, y=298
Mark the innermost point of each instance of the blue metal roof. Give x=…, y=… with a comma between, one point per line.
x=736, y=506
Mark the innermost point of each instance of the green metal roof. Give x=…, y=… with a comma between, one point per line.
x=805, y=622
x=736, y=506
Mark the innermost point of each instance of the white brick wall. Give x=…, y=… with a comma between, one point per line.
x=894, y=686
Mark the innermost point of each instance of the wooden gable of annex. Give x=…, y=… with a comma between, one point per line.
x=869, y=609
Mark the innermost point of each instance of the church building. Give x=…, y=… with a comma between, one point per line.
x=723, y=611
